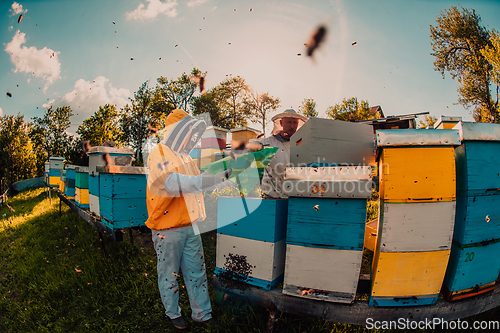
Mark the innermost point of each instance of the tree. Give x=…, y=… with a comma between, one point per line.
x=258, y=106
x=308, y=108
x=457, y=41
x=102, y=126
x=17, y=158
x=350, y=110
x=135, y=117
x=428, y=122
x=175, y=94
x=49, y=132
x=224, y=103
x=492, y=55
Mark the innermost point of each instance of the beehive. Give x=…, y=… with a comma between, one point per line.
x=55, y=165
x=82, y=186
x=69, y=189
x=320, y=231
x=251, y=240
x=416, y=217
x=475, y=256
x=328, y=181
x=244, y=134
x=214, y=137
x=122, y=196
x=95, y=159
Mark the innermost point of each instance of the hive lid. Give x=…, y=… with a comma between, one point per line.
x=110, y=150
x=70, y=166
x=122, y=169
x=417, y=137
x=80, y=168
x=56, y=158
x=472, y=131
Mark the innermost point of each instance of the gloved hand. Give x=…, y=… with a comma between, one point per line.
x=209, y=181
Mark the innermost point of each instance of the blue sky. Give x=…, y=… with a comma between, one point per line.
x=71, y=52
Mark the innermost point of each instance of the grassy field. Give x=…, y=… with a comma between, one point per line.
x=54, y=278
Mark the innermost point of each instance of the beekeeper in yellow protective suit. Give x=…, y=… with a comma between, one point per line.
x=175, y=204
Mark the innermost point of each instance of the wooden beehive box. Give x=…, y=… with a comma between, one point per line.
x=122, y=196
x=82, y=186
x=319, y=231
x=417, y=214
x=54, y=177
x=47, y=171
x=473, y=269
x=475, y=261
x=214, y=137
x=56, y=162
x=95, y=159
x=327, y=141
x=244, y=134
x=69, y=189
x=62, y=180
x=251, y=240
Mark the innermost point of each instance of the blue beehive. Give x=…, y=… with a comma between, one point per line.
x=251, y=240
x=122, y=196
x=69, y=189
x=328, y=182
x=475, y=255
x=95, y=159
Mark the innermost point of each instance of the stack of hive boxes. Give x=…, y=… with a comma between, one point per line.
x=96, y=159
x=82, y=186
x=55, y=165
x=69, y=189
x=416, y=216
x=122, y=196
x=251, y=240
x=212, y=143
x=328, y=182
x=475, y=255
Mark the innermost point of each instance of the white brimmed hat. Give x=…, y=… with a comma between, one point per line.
x=289, y=113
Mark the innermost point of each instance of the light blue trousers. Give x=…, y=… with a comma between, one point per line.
x=182, y=247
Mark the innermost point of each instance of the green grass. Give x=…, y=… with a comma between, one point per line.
x=42, y=291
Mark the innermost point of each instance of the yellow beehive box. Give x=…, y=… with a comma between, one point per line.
x=408, y=274
x=54, y=181
x=417, y=174
x=82, y=196
x=371, y=235
x=244, y=134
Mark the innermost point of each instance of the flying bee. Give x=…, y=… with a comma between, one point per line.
x=316, y=39
x=199, y=80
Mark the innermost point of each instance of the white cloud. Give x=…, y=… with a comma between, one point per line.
x=153, y=9
x=1, y=112
x=17, y=8
x=87, y=96
x=42, y=63
x=194, y=3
